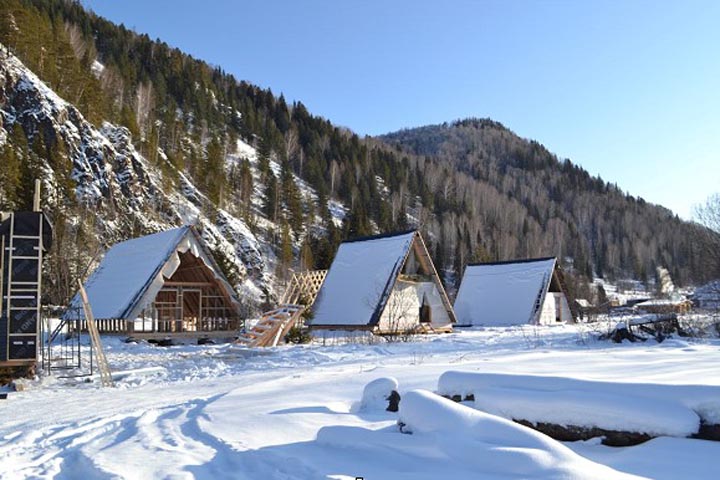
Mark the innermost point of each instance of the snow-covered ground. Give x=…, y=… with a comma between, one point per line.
x=293, y=412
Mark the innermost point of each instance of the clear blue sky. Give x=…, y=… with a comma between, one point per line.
x=630, y=90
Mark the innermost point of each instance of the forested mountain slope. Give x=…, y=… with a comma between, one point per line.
x=528, y=202
x=130, y=135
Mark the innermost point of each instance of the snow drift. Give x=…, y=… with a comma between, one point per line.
x=655, y=409
x=494, y=446
x=376, y=394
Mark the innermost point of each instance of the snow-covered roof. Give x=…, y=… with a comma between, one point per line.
x=359, y=279
x=133, y=272
x=502, y=293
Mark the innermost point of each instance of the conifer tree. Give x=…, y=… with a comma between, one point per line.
x=9, y=178
x=286, y=251
x=307, y=260
x=270, y=200
x=291, y=198
x=264, y=153
x=213, y=172
x=62, y=166
x=357, y=223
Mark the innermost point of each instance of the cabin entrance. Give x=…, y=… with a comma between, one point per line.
x=558, y=307
x=178, y=309
x=425, y=310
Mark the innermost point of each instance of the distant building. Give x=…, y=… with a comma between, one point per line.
x=662, y=305
x=583, y=303
x=162, y=285
x=383, y=284
x=583, y=307
x=513, y=293
x=707, y=297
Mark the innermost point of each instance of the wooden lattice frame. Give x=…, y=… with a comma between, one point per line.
x=303, y=287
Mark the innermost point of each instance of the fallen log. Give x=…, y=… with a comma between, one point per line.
x=659, y=327
x=574, y=433
x=622, y=414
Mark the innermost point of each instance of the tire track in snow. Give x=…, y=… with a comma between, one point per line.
x=97, y=448
x=237, y=463
x=173, y=438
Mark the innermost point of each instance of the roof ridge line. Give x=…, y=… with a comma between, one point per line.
x=379, y=236
x=510, y=262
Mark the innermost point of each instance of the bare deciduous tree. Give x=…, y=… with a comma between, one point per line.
x=399, y=312
x=708, y=215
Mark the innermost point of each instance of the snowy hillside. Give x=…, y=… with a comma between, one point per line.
x=124, y=193
x=294, y=413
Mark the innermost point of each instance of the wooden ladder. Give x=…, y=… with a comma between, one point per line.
x=105, y=375
x=272, y=327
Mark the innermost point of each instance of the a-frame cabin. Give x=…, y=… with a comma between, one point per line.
x=513, y=292
x=385, y=284
x=162, y=285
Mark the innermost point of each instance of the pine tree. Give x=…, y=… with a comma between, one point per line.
x=291, y=198
x=357, y=223
x=307, y=259
x=62, y=167
x=29, y=164
x=245, y=185
x=264, y=152
x=286, y=251
x=270, y=200
x=213, y=172
x=10, y=176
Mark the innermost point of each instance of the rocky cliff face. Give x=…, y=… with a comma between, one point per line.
x=125, y=194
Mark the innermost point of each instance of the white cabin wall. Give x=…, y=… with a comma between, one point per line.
x=548, y=314
x=402, y=310
x=566, y=312
x=411, y=263
x=406, y=299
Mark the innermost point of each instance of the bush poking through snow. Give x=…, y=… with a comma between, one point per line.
x=380, y=394
x=298, y=335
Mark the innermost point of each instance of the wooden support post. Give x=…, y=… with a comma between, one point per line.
x=103, y=366
x=36, y=196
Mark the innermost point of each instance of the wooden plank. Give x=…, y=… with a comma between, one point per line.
x=304, y=286
x=272, y=327
x=103, y=366
x=436, y=278
x=183, y=335
x=188, y=284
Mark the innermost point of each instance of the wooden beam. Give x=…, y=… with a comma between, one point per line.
x=436, y=278
x=36, y=196
x=188, y=284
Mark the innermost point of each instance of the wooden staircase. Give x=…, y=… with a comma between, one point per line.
x=272, y=327
x=275, y=324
